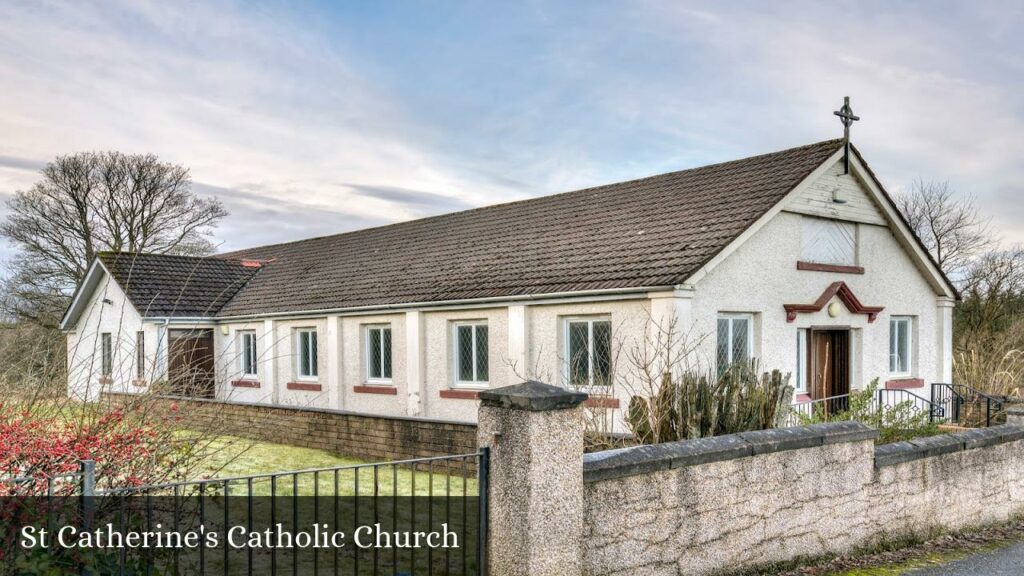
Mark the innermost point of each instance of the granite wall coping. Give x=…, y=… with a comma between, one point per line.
x=532, y=396
x=900, y=452
x=636, y=460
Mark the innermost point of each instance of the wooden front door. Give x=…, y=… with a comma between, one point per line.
x=830, y=367
x=190, y=363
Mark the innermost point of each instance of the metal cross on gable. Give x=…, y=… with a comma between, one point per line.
x=846, y=116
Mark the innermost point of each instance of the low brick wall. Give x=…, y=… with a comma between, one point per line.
x=362, y=436
x=736, y=502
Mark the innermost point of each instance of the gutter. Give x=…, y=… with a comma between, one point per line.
x=605, y=294
x=168, y=320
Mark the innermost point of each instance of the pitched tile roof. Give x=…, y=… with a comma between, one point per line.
x=176, y=286
x=651, y=232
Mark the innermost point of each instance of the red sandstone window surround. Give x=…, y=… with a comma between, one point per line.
x=388, y=390
x=838, y=268
x=460, y=394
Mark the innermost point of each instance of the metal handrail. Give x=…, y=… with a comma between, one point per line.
x=914, y=396
x=960, y=393
x=807, y=408
x=908, y=393
x=972, y=389
x=917, y=401
x=818, y=400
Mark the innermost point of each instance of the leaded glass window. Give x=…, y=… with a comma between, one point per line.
x=307, y=353
x=589, y=352
x=378, y=357
x=471, y=366
x=735, y=338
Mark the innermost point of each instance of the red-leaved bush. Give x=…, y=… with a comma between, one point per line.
x=34, y=448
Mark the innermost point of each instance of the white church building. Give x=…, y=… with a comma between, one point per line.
x=797, y=258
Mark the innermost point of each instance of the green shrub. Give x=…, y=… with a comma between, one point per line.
x=698, y=405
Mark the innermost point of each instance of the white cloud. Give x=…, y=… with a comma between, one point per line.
x=938, y=89
x=246, y=98
x=275, y=107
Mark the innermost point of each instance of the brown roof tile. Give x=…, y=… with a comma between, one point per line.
x=650, y=232
x=176, y=286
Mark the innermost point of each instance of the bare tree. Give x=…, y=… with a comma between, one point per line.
x=951, y=228
x=992, y=292
x=91, y=202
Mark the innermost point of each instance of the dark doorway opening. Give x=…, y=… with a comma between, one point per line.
x=190, y=363
x=830, y=369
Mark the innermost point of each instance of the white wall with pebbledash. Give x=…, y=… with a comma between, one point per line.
x=110, y=317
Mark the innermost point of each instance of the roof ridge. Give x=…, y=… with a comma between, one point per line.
x=207, y=258
x=239, y=254
x=151, y=254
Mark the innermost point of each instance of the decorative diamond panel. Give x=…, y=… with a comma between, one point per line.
x=829, y=241
x=481, y=354
x=602, y=354
x=375, y=353
x=465, y=353
x=579, y=355
x=386, y=351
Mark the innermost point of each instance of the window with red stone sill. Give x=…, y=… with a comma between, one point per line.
x=461, y=394
x=375, y=389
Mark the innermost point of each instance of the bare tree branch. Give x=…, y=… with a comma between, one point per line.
x=992, y=293
x=950, y=228
x=90, y=202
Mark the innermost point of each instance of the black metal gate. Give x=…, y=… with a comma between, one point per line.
x=409, y=513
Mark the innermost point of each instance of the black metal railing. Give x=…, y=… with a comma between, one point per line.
x=444, y=496
x=965, y=406
x=819, y=409
x=825, y=409
x=891, y=398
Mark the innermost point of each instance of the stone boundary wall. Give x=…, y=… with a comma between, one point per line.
x=1015, y=415
x=736, y=502
x=363, y=436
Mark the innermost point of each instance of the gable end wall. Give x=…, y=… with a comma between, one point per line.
x=817, y=199
x=108, y=311
x=760, y=276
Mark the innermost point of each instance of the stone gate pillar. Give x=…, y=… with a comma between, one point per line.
x=535, y=433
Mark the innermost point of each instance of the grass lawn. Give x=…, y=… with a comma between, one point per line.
x=239, y=457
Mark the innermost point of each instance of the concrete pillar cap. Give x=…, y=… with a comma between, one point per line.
x=532, y=396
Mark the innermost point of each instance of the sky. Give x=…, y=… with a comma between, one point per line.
x=318, y=118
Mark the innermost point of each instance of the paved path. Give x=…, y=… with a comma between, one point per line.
x=1005, y=561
